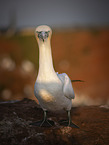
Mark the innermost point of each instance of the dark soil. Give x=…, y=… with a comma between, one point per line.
x=16, y=117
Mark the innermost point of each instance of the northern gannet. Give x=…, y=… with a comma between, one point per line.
x=54, y=91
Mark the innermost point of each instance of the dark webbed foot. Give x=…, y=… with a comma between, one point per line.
x=43, y=123
x=67, y=123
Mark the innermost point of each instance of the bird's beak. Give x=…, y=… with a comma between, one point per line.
x=43, y=35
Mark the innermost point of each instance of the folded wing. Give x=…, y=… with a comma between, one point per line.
x=67, y=85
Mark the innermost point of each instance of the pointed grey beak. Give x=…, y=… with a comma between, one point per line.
x=43, y=35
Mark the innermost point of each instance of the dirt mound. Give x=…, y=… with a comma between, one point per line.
x=15, y=118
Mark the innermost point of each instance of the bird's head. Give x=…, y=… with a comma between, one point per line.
x=43, y=33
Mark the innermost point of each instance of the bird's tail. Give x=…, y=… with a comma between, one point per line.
x=77, y=81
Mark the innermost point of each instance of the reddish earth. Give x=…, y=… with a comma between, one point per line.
x=15, y=129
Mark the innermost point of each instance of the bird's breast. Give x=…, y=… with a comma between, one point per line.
x=51, y=97
x=48, y=92
x=46, y=96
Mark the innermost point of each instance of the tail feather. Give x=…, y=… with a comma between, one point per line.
x=77, y=81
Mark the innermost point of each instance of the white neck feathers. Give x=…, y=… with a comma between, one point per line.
x=46, y=70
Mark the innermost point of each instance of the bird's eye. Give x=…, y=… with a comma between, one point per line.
x=47, y=34
x=39, y=34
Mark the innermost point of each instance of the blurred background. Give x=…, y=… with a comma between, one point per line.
x=80, y=46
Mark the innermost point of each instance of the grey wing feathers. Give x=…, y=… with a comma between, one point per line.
x=67, y=85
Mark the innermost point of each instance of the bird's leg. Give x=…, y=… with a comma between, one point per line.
x=44, y=122
x=68, y=122
x=69, y=118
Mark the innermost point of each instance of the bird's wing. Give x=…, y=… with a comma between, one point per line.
x=67, y=85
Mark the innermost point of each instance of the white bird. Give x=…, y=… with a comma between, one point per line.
x=54, y=91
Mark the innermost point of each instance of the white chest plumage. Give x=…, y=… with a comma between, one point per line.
x=51, y=96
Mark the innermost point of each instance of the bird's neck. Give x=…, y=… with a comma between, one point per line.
x=46, y=69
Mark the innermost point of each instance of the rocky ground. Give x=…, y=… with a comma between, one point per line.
x=15, y=129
